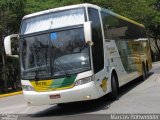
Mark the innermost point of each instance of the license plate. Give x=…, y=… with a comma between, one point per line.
x=55, y=96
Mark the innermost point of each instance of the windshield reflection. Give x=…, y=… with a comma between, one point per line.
x=70, y=52
x=55, y=54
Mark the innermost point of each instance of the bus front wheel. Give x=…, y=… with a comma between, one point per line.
x=114, y=93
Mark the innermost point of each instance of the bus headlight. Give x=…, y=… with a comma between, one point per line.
x=83, y=81
x=27, y=88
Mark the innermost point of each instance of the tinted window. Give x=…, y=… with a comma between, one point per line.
x=116, y=28
x=54, y=54
x=97, y=48
x=125, y=35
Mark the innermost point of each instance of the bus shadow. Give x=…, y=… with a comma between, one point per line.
x=87, y=106
x=131, y=85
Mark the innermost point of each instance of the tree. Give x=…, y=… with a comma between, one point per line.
x=11, y=13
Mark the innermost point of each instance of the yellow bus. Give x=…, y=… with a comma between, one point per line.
x=79, y=52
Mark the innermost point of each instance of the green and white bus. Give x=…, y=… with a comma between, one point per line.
x=79, y=52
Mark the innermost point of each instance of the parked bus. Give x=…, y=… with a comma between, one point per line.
x=79, y=52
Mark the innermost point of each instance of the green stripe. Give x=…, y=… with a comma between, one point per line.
x=63, y=82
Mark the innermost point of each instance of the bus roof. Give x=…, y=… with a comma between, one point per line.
x=59, y=9
x=78, y=6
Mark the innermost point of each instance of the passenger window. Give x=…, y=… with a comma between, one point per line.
x=97, y=48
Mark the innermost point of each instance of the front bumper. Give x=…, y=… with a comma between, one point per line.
x=78, y=93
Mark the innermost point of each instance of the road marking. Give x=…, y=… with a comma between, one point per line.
x=11, y=94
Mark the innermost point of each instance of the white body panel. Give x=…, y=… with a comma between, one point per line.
x=77, y=93
x=116, y=63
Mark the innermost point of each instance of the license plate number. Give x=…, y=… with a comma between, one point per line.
x=55, y=96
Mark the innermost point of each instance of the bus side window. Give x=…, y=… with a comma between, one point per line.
x=97, y=48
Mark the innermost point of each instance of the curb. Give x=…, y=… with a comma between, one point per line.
x=156, y=62
x=11, y=94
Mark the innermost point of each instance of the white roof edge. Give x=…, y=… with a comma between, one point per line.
x=61, y=8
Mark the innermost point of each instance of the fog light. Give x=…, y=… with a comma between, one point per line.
x=87, y=97
x=29, y=103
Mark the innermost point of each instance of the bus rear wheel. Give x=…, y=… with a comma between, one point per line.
x=144, y=73
x=114, y=93
x=147, y=70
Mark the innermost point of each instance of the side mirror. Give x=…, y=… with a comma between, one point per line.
x=88, y=32
x=11, y=45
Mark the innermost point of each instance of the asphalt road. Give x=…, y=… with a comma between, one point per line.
x=137, y=97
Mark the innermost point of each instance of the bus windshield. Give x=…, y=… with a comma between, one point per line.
x=55, y=54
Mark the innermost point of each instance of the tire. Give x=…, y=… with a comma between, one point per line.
x=147, y=70
x=144, y=73
x=61, y=104
x=114, y=93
